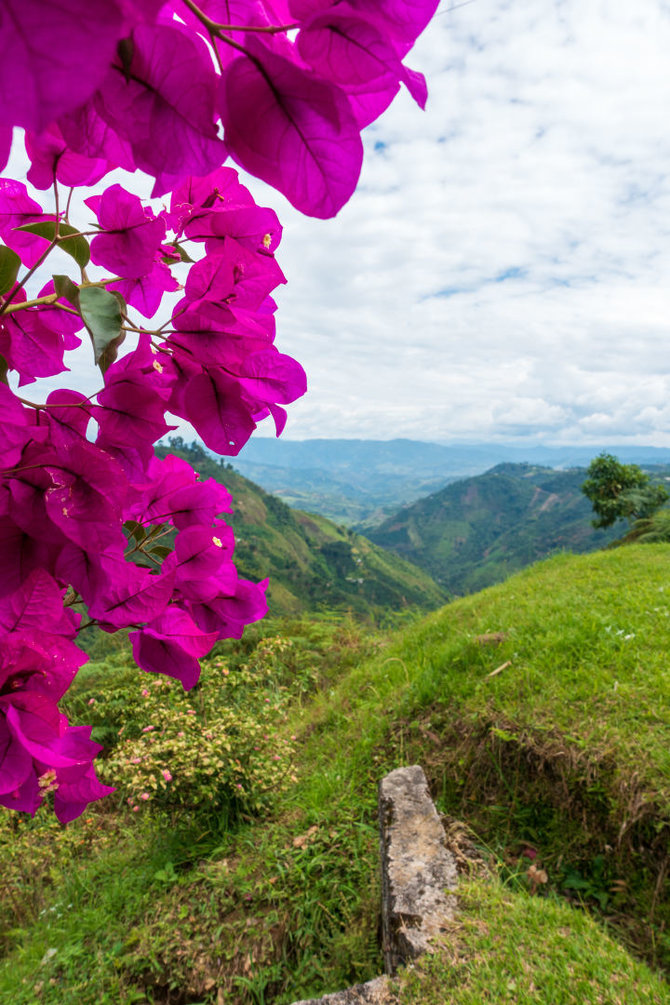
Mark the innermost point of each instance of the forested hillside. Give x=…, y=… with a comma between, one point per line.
x=476, y=532
x=311, y=563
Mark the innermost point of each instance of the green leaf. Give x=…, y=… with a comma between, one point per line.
x=160, y=551
x=66, y=290
x=10, y=264
x=120, y=300
x=101, y=314
x=135, y=530
x=184, y=255
x=69, y=239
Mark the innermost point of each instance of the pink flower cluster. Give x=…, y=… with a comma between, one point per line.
x=144, y=83
x=89, y=516
x=90, y=519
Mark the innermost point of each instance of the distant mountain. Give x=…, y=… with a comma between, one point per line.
x=363, y=481
x=477, y=531
x=311, y=563
x=359, y=496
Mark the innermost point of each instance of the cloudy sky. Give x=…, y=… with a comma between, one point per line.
x=503, y=269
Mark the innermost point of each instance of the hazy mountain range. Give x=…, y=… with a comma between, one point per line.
x=363, y=481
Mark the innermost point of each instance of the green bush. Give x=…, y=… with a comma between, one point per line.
x=211, y=748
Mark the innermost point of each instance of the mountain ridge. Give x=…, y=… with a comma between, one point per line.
x=360, y=482
x=478, y=530
x=310, y=562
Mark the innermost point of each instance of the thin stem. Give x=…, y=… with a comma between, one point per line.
x=46, y=404
x=67, y=205
x=30, y=272
x=216, y=30
x=201, y=16
x=50, y=298
x=130, y=325
x=269, y=29
x=93, y=621
x=216, y=27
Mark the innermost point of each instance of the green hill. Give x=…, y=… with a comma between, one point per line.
x=540, y=711
x=311, y=563
x=476, y=532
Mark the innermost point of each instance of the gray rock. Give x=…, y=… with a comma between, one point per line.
x=374, y=992
x=418, y=875
x=418, y=872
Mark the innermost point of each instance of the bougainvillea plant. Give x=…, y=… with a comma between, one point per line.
x=176, y=300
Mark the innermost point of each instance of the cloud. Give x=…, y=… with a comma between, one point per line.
x=502, y=269
x=503, y=265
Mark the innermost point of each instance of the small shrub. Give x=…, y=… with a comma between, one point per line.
x=215, y=747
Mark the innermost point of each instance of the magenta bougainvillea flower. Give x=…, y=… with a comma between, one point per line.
x=132, y=236
x=51, y=158
x=16, y=210
x=163, y=105
x=151, y=95
x=54, y=56
x=86, y=508
x=38, y=662
x=291, y=128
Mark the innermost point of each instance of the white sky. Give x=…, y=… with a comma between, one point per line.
x=502, y=270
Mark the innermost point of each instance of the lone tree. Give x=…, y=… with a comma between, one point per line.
x=620, y=491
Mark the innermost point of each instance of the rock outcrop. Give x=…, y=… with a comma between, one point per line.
x=418, y=872
x=376, y=992
x=418, y=882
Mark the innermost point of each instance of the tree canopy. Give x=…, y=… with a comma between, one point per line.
x=620, y=491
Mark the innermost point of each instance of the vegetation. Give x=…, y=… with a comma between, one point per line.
x=540, y=712
x=519, y=949
x=362, y=482
x=621, y=491
x=311, y=563
x=650, y=530
x=476, y=532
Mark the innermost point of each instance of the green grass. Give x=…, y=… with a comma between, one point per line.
x=561, y=756
x=521, y=950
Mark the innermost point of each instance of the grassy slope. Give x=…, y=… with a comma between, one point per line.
x=311, y=562
x=561, y=752
x=514, y=949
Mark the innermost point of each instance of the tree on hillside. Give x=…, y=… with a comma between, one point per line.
x=620, y=491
